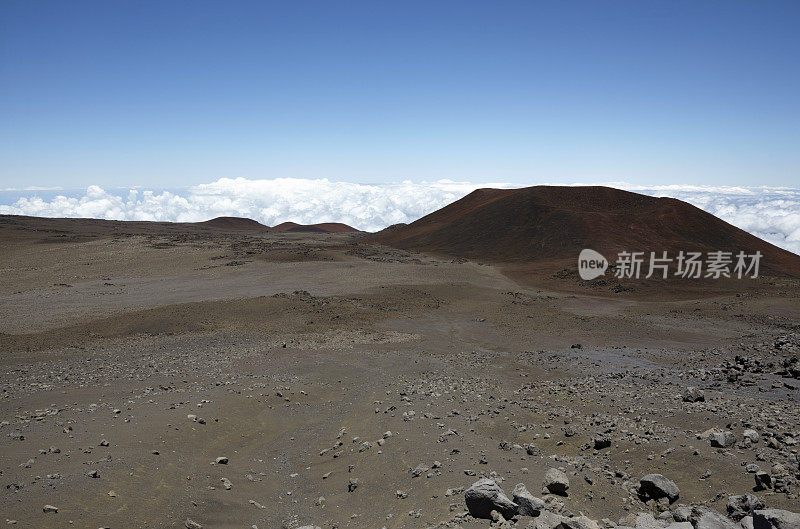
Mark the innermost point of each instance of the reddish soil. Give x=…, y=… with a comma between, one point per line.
x=550, y=224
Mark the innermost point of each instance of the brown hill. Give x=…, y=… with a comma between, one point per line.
x=234, y=223
x=323, y=227
x=552, y=223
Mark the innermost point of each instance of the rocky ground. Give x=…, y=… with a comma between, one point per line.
x=209, y=379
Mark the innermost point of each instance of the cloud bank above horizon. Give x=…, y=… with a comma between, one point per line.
x=771, y=213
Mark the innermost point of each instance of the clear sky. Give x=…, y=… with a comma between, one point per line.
x=174, y=93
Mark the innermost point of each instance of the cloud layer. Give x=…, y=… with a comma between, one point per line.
x=770, y=213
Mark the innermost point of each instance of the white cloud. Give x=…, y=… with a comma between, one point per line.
x=771, y=213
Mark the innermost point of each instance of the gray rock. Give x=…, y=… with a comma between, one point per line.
x=419, y=470
x=693, y=394
x=776, y=519
x=741, y=506
x=547, y=520
x=752, y=435
x=556, y=482
x=746, y=522
x=50, y=509
x=485, y=496
x=763, y=480
x=656, y=486
x=646, y=521
x=601, y=441
x=528, y=504
x=190, y=524
x=722, y=439
x=707, y=518
x=680, y=525
x=578, y=522
x=682, y=513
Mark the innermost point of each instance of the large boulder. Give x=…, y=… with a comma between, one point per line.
x=775, y=519
x=743, y=505
x=485, y=496
x=556, y=482
x=528, y=504
x=656, y=486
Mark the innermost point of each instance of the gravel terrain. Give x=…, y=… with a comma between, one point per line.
x=190, y=377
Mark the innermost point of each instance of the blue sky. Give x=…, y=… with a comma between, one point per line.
x=176, y=93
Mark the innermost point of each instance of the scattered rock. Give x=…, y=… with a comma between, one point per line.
x=352, y=484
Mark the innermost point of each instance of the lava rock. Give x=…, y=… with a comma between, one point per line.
x=752, y=435
x=529, y=505
x=722, y=439
x=775, y=519
x=743, y=505
x=693, y=394
x=578, y=522
x=707, y=518
x=601, y=441
x=763, y=480
x=556, y=482
x=656, y=486
x=485, y=496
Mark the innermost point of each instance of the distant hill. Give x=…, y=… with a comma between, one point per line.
x=543, y=223
x=234, y=223
x=324, y=227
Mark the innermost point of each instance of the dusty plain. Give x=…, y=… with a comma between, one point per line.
x=349, y=384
